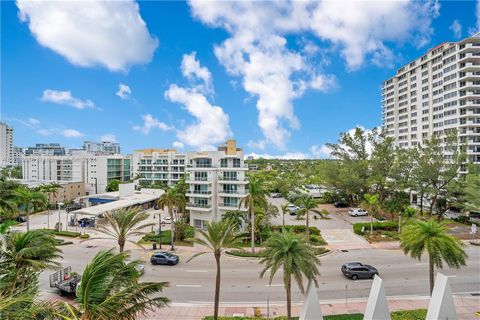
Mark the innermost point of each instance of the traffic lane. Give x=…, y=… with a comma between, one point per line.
x=241, y=283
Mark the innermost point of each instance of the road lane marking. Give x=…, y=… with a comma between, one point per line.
x=274, y=285
x=197, y=271
x=188, y=285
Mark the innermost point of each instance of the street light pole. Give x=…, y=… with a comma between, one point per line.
x=59, y=223
x=160, y=230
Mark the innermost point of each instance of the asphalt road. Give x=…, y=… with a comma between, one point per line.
x=193, y=282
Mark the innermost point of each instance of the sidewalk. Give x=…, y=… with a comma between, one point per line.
x=466, y=306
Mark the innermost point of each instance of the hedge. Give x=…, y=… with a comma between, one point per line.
x=384, y=226
x=154, y=237
x=65, y=233
x=297, y=229
x=259, y=254
x=418, y=314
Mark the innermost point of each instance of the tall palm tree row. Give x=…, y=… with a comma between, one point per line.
x=295, y=257
x=171, y=199
x=431, y=238
x=256, y=197
x=123, y=224
x=29, y=198
x=110, y=290
x=218, y=237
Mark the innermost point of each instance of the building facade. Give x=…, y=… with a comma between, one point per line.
x=437, y=94
x=104, y=147
x=158, y=166
x=46, y=149
x=6, y=145
x=94, y=171
x=217, y=182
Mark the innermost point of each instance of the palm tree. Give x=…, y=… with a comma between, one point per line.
x=51, y=190
x=218, y=237
x=123, y=224
x=25, y=256
x=8, y=205
x=430, y=237
x=408, y=213
x=110, y=290
x=171, y=199
x=308, y=204
x=285, y=210
x=236, y=217
x=472, y=192
x=295, y=256
x=29, y=198
x=370, y=204
x=257, y=196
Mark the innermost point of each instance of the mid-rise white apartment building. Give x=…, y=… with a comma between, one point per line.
x=436, y=94
x=216, y=182
x=94, y=171
x=6, y=145
x=158, y=166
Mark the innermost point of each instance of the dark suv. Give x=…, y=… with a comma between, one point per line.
x=340, y=204
x=357, y=270
x=163, y=257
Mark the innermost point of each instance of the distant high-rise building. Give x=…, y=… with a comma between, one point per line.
x=104, y=147
x=436, y=94
x=46, y=149
x=6, y=145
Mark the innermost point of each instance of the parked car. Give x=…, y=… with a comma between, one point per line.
x=358, y=270
x=86, y=222
x=163, y=257
x=21, y=219
x=340, y=204
x=73, y=207
x=292, y=209
x=276, y=195
x=167, y=220
x=355, y=212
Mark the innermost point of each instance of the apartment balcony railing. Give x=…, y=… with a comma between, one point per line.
x=232, y=191
x=199, y=192
x=227, y=204
x=199, y=205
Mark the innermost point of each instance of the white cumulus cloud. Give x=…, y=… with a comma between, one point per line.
x=285, y=156
x=321, y=152
x=456, y=28
x=124, y=91
x=71, y=133
x=149, y=123
x=66, y=98
x=91, y=33
x=277, y=74
x=193, y=71
x=178, y=144
x=211, y=122
x=108, y=137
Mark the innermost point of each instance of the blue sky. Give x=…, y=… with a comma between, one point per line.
x=282, y=79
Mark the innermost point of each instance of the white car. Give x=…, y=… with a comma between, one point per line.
x=167, y=220
x=356, y=212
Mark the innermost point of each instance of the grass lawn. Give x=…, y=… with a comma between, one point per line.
x=150, y=238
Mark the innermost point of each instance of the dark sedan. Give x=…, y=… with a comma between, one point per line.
x=164, y=258
x=340, y=204
x=357, y=270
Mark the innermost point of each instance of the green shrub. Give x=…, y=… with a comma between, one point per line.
x=245, y=253
x=183, y=231
x=465, y=220
x=391, y=234
x=84, y=236
x=297, y=229
x=65, y=233
x=153, y=237
x=384, y=226
x=320, y=250
x=418, y=314
x=317, y=240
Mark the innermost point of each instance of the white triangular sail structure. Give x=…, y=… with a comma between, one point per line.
x=377, y=305
x=311, y=307
x=441, y=305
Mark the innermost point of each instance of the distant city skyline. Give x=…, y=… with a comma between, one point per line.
x=190, y=75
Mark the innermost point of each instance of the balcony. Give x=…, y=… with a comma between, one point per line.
x=230, y=206
x=198, y=206
x=234, y=180
x=199, y=193
x=232, y=193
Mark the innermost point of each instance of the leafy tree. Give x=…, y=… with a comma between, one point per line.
x=431, y=237
x=471, y=192
x=297, y=259
x=370, y=204
x=8, y=203
x=113, y=185
x=171, y=199
x=396, y=204
x=110, y=290
x=307, y=204
x=25, y=256
x=29, y=199
x=382, y=157
x=218, y=237
x=236, y=217
x=256, y=197
x=123, y=224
